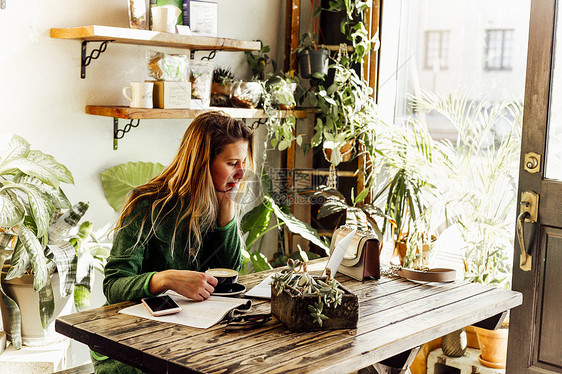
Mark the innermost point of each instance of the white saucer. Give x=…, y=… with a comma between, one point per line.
x=236, y=289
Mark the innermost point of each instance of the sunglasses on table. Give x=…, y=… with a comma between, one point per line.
x=235, y=320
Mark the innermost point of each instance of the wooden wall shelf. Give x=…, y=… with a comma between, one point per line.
x=125, y=112
x=152, y=38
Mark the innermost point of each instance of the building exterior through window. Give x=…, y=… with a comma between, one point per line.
x=436, y=50
x=499, y=49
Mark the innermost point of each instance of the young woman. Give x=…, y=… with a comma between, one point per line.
x=182, y=222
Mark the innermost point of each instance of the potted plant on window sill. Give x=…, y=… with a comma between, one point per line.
x=43, y=260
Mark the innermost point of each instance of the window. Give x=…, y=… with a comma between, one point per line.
x=499, y=50
x=436, y=50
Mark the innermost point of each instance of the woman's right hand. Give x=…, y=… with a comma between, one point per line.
x=191, y=284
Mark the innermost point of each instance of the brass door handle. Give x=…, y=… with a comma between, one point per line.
x=525, y=260
x=529, y=213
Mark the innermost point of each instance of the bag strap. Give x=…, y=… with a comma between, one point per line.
x=431, y=275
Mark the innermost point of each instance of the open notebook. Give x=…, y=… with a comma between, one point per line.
x=199, y=314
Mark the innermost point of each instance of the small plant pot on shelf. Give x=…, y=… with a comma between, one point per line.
x=313, y=62
x=284, y=96
x=471, y=338
x=346, y=151
x=220, y=94
x=293, y=311
x=245, y=94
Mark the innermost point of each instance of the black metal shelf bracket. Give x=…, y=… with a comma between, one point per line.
x=94, y=54
x=211, y=55
x=120, y=133
x=257, y=123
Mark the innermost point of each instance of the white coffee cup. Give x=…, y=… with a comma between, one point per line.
x=165, y=18
x=140, y=94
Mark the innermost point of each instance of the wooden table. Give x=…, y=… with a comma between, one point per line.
x=395, y=315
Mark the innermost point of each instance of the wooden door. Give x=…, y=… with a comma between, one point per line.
x=535, y=337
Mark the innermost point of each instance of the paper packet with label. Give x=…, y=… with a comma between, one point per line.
x=168, y=67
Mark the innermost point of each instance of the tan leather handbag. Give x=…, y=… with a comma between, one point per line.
x=362, y=257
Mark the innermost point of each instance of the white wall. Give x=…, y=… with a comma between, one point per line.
x=42, y=97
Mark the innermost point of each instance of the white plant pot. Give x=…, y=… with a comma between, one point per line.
x=21, y=291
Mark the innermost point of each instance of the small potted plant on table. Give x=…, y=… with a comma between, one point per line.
x=307, y=303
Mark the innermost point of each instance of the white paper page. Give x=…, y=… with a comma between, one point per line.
x=199, y=314
x=262, y=290
x=337, y=256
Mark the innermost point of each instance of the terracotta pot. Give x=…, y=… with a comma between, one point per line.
x=217, y=88
x=21, y=291
x=471, y=338
x=401, y=249
x=493, y=347
x=346, y=151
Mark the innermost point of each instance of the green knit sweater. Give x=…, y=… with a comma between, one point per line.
x=134, y=260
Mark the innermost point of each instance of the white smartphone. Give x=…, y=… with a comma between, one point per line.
x=161, y=305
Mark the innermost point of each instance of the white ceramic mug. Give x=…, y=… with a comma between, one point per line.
x=140, y=94
x=165, y=18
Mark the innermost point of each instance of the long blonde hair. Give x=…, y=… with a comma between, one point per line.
x=187, y=183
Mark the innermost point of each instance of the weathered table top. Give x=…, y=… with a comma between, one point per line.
x=394, y=315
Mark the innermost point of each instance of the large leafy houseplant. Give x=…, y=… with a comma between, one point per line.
x=409, y=159
x=481, y=188
x=35, y=209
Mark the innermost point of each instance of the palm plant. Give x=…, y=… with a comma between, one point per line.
x=481, y=188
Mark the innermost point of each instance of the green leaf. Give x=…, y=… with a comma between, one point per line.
x=48, y=162
x=284, y=144
x=46, y=304
x=12, y=209
x=118, y=180
x=298, y=227
x=255, y=222
x=56, y=195
x=259, y=261
x=29, y=167
x=41, y=208
x=17, y=147
x=63, y=254
x=330, y=207
x=81, y=298
x=20, y=261
x=14, y=317
x=362, y=195
x=37, y=257
x=12, y=308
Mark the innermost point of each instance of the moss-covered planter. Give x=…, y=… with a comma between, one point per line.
x=292, y=310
